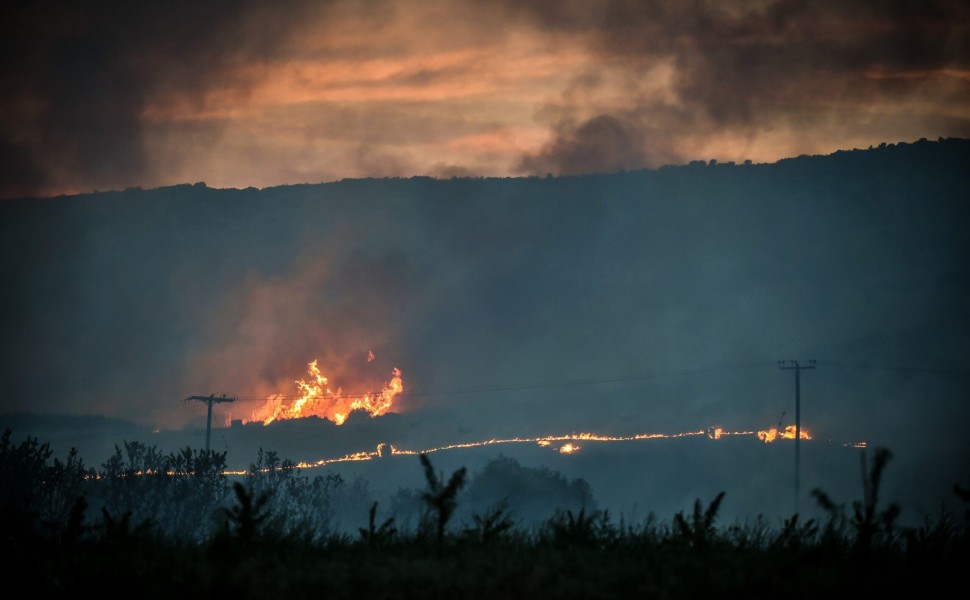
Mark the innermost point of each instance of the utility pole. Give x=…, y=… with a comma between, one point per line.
x=793, y=365
x=210, y=400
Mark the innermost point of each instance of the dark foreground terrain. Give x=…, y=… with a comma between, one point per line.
x=149, y=525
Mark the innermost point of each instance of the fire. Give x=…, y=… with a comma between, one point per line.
x=568, y=447
x=547, y=441
x=787, y=434
x=317, y=399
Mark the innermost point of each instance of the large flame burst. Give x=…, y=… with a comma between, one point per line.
x=317, y=399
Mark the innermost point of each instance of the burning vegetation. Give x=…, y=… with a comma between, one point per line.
x=788, y=433
x=318, y=399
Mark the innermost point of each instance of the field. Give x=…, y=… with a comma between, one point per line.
x=152, y=525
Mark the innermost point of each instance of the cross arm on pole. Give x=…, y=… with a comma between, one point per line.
x=209, y=401
x=212, y=398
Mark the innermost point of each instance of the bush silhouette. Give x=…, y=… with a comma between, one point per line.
x=872, y=526
x=245, y=553
x=580, y=528
x=38, y=494
x=441, y=498
x=377, y=535
x=491, y=525
x=699, y=532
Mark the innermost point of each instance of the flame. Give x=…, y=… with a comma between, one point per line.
x=787, y=434
x=569, y=447
x=384, y=449
x=546, y=441
x=317, y=399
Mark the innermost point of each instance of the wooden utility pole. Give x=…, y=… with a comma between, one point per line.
x=210, y=400
x=793, y=365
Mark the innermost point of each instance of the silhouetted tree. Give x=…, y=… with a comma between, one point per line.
x=39, y=495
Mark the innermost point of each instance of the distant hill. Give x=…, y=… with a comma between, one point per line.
x=654, y=300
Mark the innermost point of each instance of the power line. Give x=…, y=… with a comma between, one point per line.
x=540, y=384
x=551, y=384
x=901, y=369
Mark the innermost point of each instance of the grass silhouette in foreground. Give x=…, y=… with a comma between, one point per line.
x=125, y=529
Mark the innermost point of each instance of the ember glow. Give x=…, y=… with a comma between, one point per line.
x=788, y=433
x=568, y=448
x=318, y=399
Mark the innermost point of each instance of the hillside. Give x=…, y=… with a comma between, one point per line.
x=653, y=300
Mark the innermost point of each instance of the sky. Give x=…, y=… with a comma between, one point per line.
x=248, y=93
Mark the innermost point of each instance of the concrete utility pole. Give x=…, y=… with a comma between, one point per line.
x=210, y=400
x=793, y=365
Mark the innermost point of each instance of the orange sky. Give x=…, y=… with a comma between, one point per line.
x=247, y=94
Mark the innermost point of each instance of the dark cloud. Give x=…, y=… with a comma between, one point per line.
x=638, y=137
x=758, y=65
x=117, y=94
x=602, y=144
x=763, y=42
x=76, y=78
